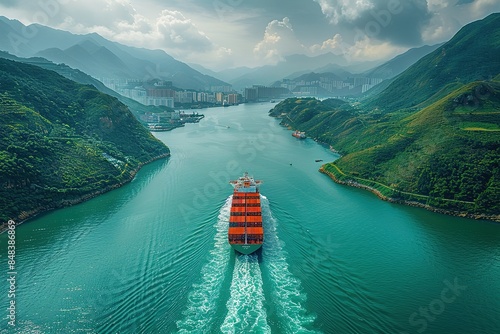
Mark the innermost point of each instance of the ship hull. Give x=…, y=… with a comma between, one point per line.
x=246, y=249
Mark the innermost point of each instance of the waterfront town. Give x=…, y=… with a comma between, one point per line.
x=163, y=93
x=174, y=100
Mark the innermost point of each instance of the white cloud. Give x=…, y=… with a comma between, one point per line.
x=481, y=8
x=119, y=21
x=279, y=41
x=340, y=10
x=367, y=49
x=434, y=5
x=334, y=45
x=450, y=15
x=440, y=28
x=92, y=13
x=362, y=49
x=180, y=33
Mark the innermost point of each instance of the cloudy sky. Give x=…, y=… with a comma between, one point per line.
x=229, y=33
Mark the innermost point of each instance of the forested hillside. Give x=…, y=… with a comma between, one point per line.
x=446, y=156
x=61, y=141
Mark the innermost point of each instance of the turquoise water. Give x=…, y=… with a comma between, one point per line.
x=152, y=256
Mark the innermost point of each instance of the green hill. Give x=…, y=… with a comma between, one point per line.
x=61, y=142
x=446, y=156
x=399, y=63
x=471, y=55
x=449, y=150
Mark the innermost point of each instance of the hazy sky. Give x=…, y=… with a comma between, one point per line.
x=228, y=33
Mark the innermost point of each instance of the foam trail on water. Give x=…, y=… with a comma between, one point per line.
x=288, y=297
x=202, y=301
x=245, y=307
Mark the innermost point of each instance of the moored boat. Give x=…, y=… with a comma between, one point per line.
x=299, y=134
x=245, y=232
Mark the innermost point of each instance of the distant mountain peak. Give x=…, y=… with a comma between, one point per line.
x=90, y=46
x=102, y=58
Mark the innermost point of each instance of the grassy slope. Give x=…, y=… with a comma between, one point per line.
x=433, y=153
x=59, y=139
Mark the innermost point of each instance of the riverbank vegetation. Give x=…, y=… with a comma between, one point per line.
x=61, y=141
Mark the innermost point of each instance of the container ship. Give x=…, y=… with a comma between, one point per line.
x=245, y=233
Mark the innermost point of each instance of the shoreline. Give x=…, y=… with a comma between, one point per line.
x=463, y=214
x=26, y=215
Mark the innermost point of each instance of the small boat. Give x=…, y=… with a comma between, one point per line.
x=299, y=134
x=318, y=160
x=245, y=232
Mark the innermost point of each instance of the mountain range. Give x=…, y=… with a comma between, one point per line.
x=101, y=58
x=295, y=66
x=431, y=138
x=98, y=56
x=335, y=80
x=400, y=63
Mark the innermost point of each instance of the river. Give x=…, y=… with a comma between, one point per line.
x=152, y=256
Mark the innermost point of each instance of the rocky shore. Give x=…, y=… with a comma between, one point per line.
x=25, y=215
x=464, y=214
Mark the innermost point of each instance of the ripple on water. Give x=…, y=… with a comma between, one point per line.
x=288, y=298
x=203, y=299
